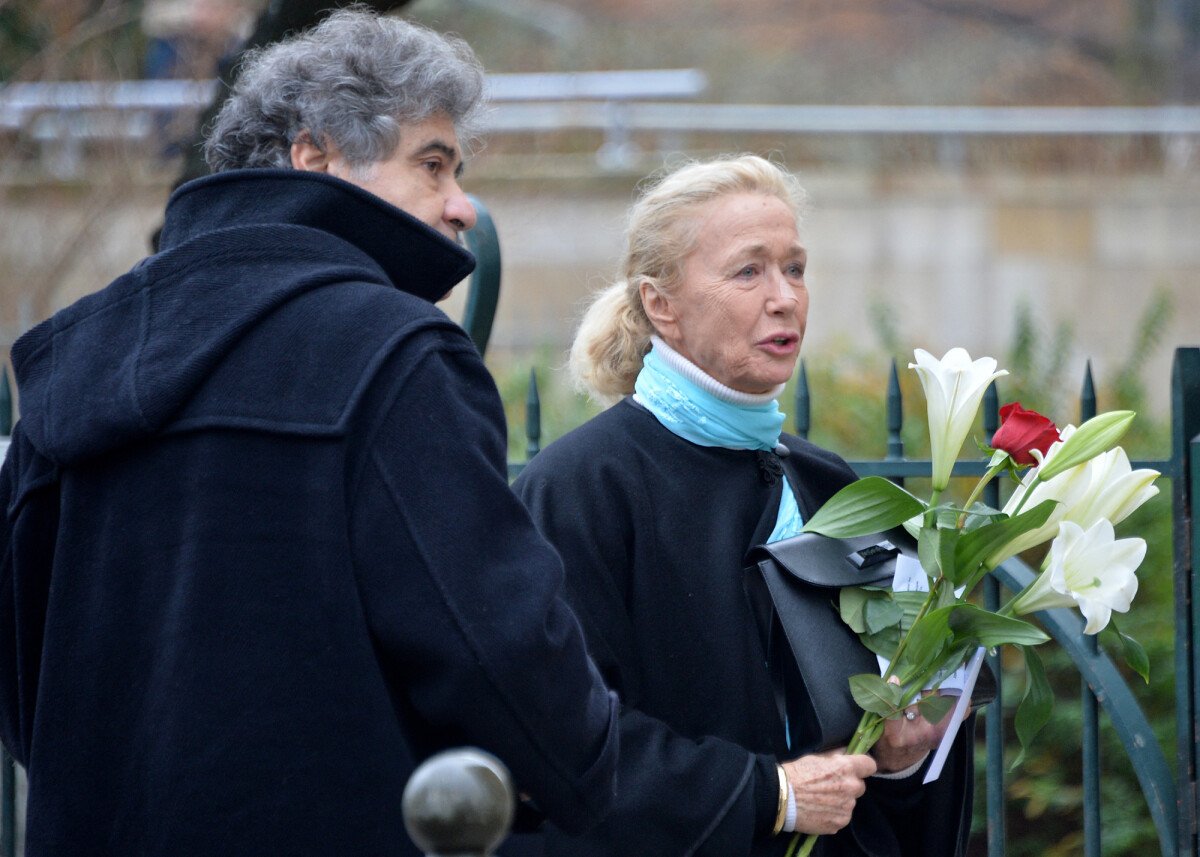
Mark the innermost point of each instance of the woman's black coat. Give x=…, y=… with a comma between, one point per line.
x=653, y=531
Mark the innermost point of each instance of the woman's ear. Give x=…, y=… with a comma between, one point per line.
x=306, y=155
x=659, y=310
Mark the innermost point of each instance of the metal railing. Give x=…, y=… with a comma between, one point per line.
x=62, y=116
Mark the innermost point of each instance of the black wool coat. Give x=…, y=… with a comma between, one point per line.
x=259, y=552
x=654, y=531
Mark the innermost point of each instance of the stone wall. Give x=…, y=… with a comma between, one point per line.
x=949, y=256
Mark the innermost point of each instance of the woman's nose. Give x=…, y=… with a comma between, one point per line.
x=782, y=293
x=459, y=212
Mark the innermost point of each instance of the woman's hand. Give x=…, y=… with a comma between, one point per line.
x=826, y=786
x=907, y=741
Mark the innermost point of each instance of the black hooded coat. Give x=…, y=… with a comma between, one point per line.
x=260, y=556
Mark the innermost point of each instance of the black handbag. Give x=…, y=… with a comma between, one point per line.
x=793, y=586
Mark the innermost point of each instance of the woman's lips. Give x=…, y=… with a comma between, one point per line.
x=781, y=344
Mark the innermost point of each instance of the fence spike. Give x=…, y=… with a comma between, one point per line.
x=1089, y=738
x=1087, y=398
x=991, y=411
x=803, y=403
x=895, y=415
x=6, y=403
x=533, y=418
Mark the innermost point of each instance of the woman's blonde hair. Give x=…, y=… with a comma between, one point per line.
x=661, y=231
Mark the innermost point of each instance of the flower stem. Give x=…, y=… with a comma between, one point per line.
x=929, y=601
x=931, y=509
x=1025, y=495
x=860, y=742
x=984, y=480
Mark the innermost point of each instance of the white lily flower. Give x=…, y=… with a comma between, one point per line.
x=1104, y=487
x=1089, y=569
x=954, y=387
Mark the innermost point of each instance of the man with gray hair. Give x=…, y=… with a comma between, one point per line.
x=260, y=555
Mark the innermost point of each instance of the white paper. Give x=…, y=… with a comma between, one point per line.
x=911, y=577
x=970, y=672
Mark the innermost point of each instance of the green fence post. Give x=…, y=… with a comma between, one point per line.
x=803, y=419
x=6, y=404
x=1191, y=715
x=1185, y=481
x=485, y=282
x=8, y=772
x=533, y=418
x=1090, y=737
x=895, y=416
x=994, y=715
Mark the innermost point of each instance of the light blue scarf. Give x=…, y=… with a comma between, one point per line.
x=694, y=405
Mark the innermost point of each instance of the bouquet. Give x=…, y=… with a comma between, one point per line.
x=1072, y=486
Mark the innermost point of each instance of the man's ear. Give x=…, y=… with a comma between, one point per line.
x=659, y=310
x=306, y=155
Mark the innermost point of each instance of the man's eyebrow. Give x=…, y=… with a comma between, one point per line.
x=446, y=149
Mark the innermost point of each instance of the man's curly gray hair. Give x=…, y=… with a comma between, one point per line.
x=355, y=80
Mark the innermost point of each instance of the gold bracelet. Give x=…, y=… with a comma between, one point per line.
x=781, y=812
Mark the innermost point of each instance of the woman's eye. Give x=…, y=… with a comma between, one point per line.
x=747, y=272
x=432, y=166
x=795, y=270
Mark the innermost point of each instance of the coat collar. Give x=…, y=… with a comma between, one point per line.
x=414, y=256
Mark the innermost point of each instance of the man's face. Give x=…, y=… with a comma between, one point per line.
x=421, y=178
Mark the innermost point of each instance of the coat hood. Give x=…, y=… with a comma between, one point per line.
x=118, y=364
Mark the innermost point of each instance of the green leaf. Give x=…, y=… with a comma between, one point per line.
x=927, y=639
x=1097, y=435
x=971, y=624
x=1135, y=656
x=883, y=643
x=946, y=597
x=1036, y=704
x=947, y=555
x=979, y=515
x=1131, y=651
x=935, y=706
x=910, y=603
x=976, y=546
x=870, y=505
x=947, y=517
x=874, y=694
x=851, y=602
x=881, y=613
x=951, y=659
x=928, y=550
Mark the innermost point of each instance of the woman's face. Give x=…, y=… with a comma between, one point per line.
x=740, y=309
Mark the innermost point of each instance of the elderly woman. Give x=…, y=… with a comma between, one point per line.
x=653, y=506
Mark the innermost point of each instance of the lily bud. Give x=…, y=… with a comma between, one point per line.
x=1097, y=435
x=954, y=387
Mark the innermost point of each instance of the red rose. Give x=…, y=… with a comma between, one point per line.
x=1021, y=431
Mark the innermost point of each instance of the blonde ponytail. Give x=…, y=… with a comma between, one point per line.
x=612, y=339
